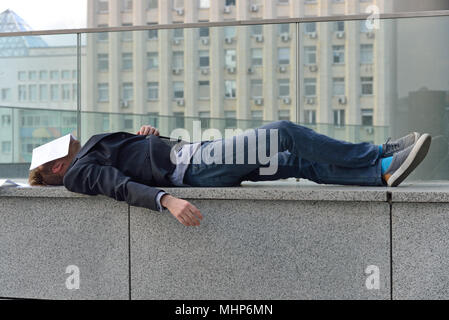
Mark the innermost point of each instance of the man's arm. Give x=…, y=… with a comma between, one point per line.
x=92, y=179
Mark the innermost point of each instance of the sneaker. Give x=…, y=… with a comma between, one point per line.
x=405, y=161
x=390, y=148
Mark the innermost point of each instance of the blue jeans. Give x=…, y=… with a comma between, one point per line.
x=301, y=153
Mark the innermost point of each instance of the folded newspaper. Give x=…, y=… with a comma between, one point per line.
x=10, y=183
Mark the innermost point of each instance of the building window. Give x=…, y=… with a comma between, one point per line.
x=102, y=36
x=127, y=5
x=310, y=87
x=230, y=89
x=178, y=90
x=366, y=53
x=204, y=90
x=284, y=56
x=178, y=34
x=103, y=92
x=367, y=117
x=230, y=3
x=128, y=123
x=230, y=120
x=74, y=91
x=256, y=88
x=284, y=114
x=204, y=32
x=310, y=27
x=338, y=54
x=367, y=85
x=54, y=75
x=127, y=61
x=65, y=75
x=179, y=119
x=127, y=91
x=339, y=118
x=69, y=121
x=103, y=6
x=152, y=34
x=257, y=118
x=6, y=94
x=339, y=26
x=310, y=117
x=152, y=4
x=204, y=4
x=204, y=118
x=32, y=75
x=153, y=91
x=21, y=75
x=178, y=4
x=22, y=93
x=229, y=32
x=43, y=75
x=178, y=60
x=32, y=92
x=284, y=88
x=152, y=60
x=256, y=30
x=204, y=58
x=283, y=28
x=256, y=57
x=338, y=86
x=54, y=92
x=283, y=1
x=363, y=26
x=230, y=58
x=6, y=120
x=310, y=55
x=153, y=119
x=65, y=90
x=6, y=146
x=43, y=92
x=127, y=35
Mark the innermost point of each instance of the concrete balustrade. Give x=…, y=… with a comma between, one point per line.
x=259, y=241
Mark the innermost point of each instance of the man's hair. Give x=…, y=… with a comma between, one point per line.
x=43, y=176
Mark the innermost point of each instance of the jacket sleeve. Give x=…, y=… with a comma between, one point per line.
x=93, y=179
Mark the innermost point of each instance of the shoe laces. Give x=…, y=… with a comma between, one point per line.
x=392, y=146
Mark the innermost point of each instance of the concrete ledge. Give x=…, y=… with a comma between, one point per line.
x=434, y=191
x=255, y=191
x=283, y=240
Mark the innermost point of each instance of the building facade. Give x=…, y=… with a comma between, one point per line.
x=245, y=72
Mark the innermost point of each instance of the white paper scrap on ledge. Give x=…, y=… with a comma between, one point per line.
x=10, y=183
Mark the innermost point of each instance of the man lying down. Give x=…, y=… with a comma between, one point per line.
x=134, y=167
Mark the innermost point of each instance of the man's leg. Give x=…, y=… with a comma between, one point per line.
x=291, y=166
x=229, y=172
x=307, y=144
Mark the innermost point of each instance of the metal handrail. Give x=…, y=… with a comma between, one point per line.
x=422, y=14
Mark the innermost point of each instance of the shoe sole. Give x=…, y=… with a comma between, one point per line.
x=416, y=156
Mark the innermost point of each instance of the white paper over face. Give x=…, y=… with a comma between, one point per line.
x=50, y=151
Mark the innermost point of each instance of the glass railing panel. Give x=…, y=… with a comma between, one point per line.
x=38, y=94
x=418, y=89
x=244, y=74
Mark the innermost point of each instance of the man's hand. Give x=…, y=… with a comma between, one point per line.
x=184, y=211
x=147, y=129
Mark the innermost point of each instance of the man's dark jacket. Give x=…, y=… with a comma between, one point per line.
x=123, y=166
